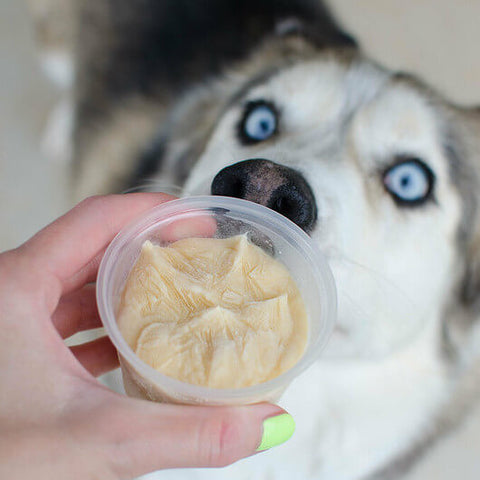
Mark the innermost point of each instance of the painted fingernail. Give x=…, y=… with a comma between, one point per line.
x=276, y=430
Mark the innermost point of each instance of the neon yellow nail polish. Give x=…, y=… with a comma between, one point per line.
x=276, y=430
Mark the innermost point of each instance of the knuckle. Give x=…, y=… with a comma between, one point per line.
x=98, y=205
x=218, y=440
x=17, y=277
x=91, y=202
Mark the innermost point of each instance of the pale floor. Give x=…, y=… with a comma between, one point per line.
x=437, y=39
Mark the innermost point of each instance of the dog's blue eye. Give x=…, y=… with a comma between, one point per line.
x=409, y=182
x=259, y=122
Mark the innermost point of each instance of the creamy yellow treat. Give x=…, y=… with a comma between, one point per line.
x=214, y=312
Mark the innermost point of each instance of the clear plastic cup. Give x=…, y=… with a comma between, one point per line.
x=219, y=217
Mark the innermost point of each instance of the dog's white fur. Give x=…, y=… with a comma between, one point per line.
x=340, y=131
x=381, y=382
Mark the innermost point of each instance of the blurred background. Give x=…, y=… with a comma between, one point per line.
x=435, y=39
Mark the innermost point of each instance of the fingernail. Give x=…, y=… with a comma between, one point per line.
x=276, y=430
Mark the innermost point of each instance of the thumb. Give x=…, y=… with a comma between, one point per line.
x=145, y=436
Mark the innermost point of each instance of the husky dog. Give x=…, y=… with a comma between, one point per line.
x=271, y=101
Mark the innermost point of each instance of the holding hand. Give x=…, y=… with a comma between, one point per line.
x=56, y=420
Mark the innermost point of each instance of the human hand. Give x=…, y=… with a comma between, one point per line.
x=56, y=420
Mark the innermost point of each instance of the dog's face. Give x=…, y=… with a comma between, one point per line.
x=378, y=169
x=358, y=158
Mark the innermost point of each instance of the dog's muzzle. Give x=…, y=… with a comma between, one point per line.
x=275, y=186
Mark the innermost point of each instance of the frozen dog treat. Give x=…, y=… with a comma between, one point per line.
x=220, y=313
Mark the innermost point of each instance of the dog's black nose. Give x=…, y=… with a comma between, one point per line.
x=274, y=186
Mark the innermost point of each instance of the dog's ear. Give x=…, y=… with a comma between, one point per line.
x=313, y=21
x=461, y=143
x=53, y=22
x=471, y=282
x=467, y=176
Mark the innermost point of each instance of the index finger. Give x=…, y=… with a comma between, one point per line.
x=69, y=244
